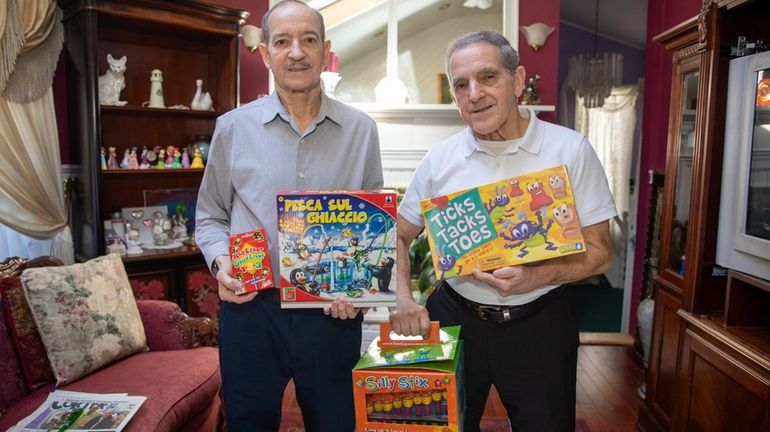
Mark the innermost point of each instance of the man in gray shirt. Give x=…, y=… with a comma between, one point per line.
x=295, y=139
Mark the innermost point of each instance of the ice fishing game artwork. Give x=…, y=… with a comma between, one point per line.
x=531, y=217
x=337, y=245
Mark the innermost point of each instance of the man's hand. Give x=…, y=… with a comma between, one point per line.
x=228, y=285
x=409, y=318
x=342, y=309
x=510, y=280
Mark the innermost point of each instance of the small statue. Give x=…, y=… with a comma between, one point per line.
x=197, y=158
x=133, y=163
x=145, y=163
x=179, y=226
x=156, y=90
x=177, y=163
x=132, y=240
x=169, y=156
x=112, y=161
x=530, y=96
x=102, y=161
x=161, y=159
x=202, y=100
x=113, y=82
x=185, y=159
x=124, y=162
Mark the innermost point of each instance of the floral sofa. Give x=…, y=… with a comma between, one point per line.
x=177, y=371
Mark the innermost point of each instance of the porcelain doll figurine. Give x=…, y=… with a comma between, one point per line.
x=185, y=159
x=113, y=82
x=161, y=159
x=133, y=163
x=124, y=162
x=177, y=162
x=102, y=161
x=112, y=162
x=145, y=163
x=169, y=156
x=197, y=158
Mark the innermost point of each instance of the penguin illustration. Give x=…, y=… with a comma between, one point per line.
x=299, y=279
x=383, y=272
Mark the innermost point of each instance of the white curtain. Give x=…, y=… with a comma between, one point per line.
x=33, y=215
x=610, y=129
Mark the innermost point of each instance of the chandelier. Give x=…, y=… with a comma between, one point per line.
x=593, y=76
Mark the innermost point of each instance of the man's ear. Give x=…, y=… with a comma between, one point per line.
x=327, y=50
x=265, y=56
x=518, y=81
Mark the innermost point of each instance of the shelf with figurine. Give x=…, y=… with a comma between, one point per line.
x=158, y=158
x=134, y=109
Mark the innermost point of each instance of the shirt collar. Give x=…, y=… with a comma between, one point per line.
x=273, y=108
x=531, y=141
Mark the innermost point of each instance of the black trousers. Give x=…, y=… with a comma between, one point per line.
x=262, y=346
x=531, y=361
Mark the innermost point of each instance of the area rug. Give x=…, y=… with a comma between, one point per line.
x=292, y=422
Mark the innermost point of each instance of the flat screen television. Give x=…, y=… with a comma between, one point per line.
x=743, y=241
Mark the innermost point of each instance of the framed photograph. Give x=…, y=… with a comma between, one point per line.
x=444, y=96
x=176, y=201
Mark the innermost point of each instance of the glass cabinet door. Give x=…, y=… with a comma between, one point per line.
x=758, y=206
x=677, y=248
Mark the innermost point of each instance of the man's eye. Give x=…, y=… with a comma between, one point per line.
x=459, y=86
x=280, y=42
x=311, y=41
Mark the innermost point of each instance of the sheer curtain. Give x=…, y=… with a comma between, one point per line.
x=610, y=129
x=33, y=214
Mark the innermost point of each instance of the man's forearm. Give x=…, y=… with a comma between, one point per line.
x=597, y=259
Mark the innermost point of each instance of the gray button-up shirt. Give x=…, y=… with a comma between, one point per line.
x=258, y=151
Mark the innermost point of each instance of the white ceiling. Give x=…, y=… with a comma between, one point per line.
x=622, y=20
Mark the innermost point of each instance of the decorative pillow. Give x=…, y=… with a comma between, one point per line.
x=23, y=330
x=12, y=388
x=86, y=315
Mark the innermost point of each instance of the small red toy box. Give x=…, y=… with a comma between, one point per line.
x=250, y=259
x=410, y=386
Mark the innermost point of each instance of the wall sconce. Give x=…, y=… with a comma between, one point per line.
x=537, y=34
x=252, y=36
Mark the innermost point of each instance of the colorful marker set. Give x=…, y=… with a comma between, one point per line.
x=422, y=408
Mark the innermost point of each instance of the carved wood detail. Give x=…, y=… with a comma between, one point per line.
x=198, y=331
x=13, y=266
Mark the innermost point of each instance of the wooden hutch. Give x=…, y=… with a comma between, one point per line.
x=709, y=366
x=186, y=41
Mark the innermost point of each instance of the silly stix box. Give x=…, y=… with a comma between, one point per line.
x=250, y=260
x=517, y=220
x=413, y=387
x=337, y=245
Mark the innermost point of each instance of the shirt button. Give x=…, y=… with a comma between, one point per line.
x=302, y=141
x=301, y=175
x=498, y=164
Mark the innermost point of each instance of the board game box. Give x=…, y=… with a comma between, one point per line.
x=413, y=387
x=337, y=245
x=514, y=221
x=250, y=260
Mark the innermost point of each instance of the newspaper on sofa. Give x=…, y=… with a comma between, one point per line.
x=73, y=411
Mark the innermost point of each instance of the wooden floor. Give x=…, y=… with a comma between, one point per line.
x=607, y=379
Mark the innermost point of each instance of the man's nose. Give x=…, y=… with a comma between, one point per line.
x=476, y=91
x=295, y=52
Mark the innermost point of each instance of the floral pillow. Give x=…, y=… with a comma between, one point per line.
x=86, y=315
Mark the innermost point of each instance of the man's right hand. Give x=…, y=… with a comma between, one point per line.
x=229, y=285
x=409, y=318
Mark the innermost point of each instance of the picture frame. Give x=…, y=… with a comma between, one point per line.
x=444, y=96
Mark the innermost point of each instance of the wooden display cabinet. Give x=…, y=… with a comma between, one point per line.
x=710, y=355
x=186, y=40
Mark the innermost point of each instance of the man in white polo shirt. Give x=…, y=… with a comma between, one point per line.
x=518, y=323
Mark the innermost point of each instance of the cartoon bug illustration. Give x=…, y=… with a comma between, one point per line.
x=527, y=234
x=496, y=209
x=446, y=264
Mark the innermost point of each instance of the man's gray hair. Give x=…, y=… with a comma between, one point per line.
x=282, y=3
x=508, y=56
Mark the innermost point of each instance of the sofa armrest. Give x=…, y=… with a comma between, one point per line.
x=168, y=328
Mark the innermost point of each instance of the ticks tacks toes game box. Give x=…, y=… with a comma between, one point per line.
x=337, y=245
x=522, y=219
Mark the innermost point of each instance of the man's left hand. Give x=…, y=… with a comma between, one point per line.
x=342, y=309
x=509, y=280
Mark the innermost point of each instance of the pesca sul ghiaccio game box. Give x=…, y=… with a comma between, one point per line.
x=517, y=220
x=337, y=245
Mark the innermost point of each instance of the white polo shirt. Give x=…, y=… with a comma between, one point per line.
x=459, y=163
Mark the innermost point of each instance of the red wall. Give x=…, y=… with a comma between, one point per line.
x=661, y=15
x=546, y=60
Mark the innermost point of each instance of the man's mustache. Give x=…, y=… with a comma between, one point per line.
x=298, y=65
